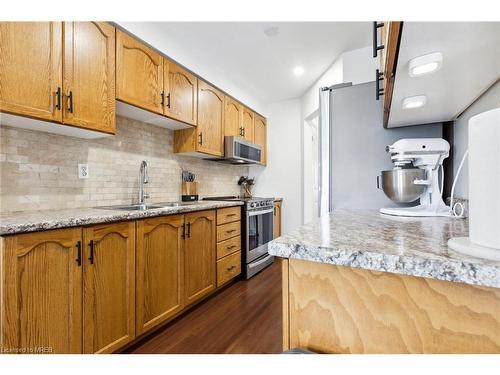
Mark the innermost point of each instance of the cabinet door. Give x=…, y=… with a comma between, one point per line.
x=31, y=69
x=233, y=117
x=89, y=75
x=199, y=255
x=139, y=73
x=160, y=270
x=109, y=287
x=210, y=120
x=41, y=292
x=248, y=124
x=261, y=136
x=277, y=220
x=181, y=92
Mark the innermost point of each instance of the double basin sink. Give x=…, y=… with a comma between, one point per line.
x=143, y=207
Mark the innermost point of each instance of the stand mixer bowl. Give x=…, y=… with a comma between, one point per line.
x=398, y=185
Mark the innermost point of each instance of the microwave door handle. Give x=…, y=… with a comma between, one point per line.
x=255, y=213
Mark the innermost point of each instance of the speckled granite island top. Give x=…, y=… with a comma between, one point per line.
x=410, y=246
x=22, y=222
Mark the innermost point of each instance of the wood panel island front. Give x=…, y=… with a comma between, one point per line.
x=357, y=281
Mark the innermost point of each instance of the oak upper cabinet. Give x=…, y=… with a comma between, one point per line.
x=160, y=270
x=233, y=117
x=89, y=75
x=139, y=74
x=200, y=255
x=31, y=69
x=41, y=306
x=247, y=124
x=109, y=287
x=277, y=219
x=180, y=93
x=208, y=136
x=261, y=136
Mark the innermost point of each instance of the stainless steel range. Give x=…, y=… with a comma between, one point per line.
x=257, y=231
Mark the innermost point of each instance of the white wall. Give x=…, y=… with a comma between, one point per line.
x=490, y=100
x=148, y=32
x=283, y=175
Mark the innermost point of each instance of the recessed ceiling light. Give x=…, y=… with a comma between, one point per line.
x=425, y=64
x=412, y=102
x=298, y=71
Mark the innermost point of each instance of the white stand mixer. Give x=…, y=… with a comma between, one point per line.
x=408, y=154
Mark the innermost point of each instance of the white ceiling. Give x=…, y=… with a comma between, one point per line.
x=253, y=61
x=471, y=63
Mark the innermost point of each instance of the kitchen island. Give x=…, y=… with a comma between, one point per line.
x=356, y=281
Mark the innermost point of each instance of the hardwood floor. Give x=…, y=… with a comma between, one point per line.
x=244, y=318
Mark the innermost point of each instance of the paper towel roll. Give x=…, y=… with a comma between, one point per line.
x=484, y=179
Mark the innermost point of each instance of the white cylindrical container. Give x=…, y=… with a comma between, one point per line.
x=484, y=179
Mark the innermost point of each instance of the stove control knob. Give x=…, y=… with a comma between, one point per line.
x=262, y=203
x=252, y=205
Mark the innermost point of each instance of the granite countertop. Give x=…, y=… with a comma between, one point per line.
x=410, y=246
x=12, y=223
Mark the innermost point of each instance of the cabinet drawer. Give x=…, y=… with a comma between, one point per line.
x=230, y=230
x=228, y=267
x=228, y=247
x=228, y=215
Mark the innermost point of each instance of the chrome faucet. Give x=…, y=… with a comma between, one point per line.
x=143, y=179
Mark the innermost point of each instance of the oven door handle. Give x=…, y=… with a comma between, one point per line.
x=258, y=263
x=255, y=213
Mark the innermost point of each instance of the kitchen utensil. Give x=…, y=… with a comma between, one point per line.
x=398, y=185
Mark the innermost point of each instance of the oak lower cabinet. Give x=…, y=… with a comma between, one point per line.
x=199, y=255
x=41, y=292
x=277, y=219
x=160, y=270
x=260, y=136
x=208, y=136
x=109, y=287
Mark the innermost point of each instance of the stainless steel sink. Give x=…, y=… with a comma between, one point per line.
x=142, y=207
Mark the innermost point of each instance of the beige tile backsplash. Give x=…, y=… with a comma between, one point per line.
x=39, y=170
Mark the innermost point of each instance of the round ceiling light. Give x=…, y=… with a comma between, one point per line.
x=425, y=64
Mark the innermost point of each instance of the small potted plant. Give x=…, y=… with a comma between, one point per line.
x=246, y=183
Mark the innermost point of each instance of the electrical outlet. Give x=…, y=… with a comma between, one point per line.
x=83, y=171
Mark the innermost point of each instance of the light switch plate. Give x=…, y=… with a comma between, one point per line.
x=83, y=171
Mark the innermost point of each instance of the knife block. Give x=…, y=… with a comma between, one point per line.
x=189, y=191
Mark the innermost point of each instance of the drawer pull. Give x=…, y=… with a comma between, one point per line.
x=231, y=231
x=231, y=247
x=229, y=215
x=231, y=268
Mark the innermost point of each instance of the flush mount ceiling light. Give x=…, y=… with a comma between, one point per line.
x=298, y=71
x=412, y=102
x=425, y=64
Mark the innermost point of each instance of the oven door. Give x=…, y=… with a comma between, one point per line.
x=259, y=228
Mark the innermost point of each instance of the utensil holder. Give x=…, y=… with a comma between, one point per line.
x=189, y=191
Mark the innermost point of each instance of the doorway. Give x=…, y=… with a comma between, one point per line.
x=311, y=168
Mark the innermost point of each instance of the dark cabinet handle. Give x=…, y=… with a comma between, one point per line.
x=189, y=230
x=378, y=91
x=79, y=253
x=58, y=99
x=231, y=247
x=376, y=47
x=231, y=268
x=243, y=131
x=168, y=100
x=70, y=98
x=162, y=96
x=91, y=247
x=230, y=231
x=201, y=138
x=183, y=235
x=229, y=215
